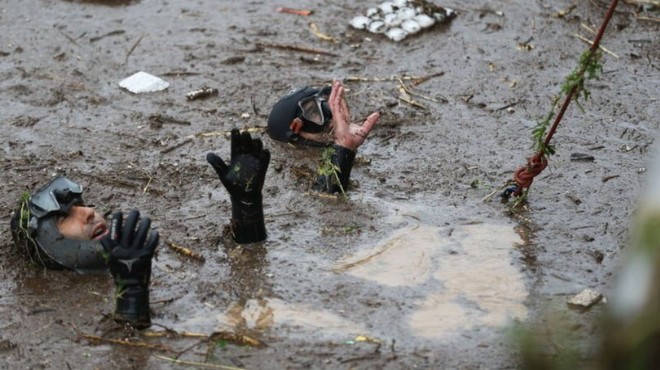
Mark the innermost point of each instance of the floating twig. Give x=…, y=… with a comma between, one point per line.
x=380, y=79
x=562, y=13
x=591, y=43
x=176, y=146
x=421, y=80
x=647, y=19
x=167, y=300
x=322, y=36
x=113, y=33
x=507, y=106
x=412, y=102
x=169, y=333
x=186, y=252
x=147, y=186
x=251, y=130
x=237, y=339
x=158, y=347
x=199, y=364
x=608, y=178
x=302, y=12
x=588, y=28
x=297, y=48
x=157, y=120
x=130, y=51
x=410, y=92
x=180, y=73
x=498, y=190
x=68, y=37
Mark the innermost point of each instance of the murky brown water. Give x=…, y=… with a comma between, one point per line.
x=414, y=259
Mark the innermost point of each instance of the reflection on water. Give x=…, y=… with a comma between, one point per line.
x=263, y=314
x=405, y=259
x=477, y=283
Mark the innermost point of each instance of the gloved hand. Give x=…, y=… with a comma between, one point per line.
x=244, y=179
x=130, y=251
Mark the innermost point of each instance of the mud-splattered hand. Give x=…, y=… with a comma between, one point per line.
x=130, y=248
x=348, y=135
x=244, y=179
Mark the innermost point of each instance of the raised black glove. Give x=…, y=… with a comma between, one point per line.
x=342, y=161
x=244, y=179
x=130, y=251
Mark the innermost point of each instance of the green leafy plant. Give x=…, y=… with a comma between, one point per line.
x=589, y=67
x=24, y=234
x=329, y=169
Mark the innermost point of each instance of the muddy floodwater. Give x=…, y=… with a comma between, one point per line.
x=417, y=268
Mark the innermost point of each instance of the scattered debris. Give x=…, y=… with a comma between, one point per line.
x=142, y=82
x=302, y=12
x=157, y=120
x=399, y=19
x=113, y=33
x=24, y=121
x=202, y=93
x=297, y=48
x=564, y=12
x=186, y=252
x=585, y=298
x=206, y=365
x=322, y=36
x=130, y=51
x=6, y=345
x=608, y=178
x=582, y=157
x=591, y=43
x=176, y=146
x=526, y=46
x=573, y=198
x=233, y=60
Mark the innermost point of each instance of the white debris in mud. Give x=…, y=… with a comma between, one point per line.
x=586, y=298
x=401, y=18
x=143, y=82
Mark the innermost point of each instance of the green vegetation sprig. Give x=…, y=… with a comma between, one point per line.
x=589, y=68
x=329, y=169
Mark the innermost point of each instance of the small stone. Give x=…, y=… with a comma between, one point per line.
x=360, y=22
x=396, y=34
x=410, y=26
x=585, y=298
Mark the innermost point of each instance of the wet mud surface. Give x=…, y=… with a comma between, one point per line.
x=413, y=270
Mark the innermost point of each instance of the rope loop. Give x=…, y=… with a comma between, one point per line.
x=524, y=176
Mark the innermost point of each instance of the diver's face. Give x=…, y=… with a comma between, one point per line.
x=82, y=223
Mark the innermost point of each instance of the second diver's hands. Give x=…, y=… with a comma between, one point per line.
x=347, y=138
x=130, y=248
x=346, y=134
x=244, y=180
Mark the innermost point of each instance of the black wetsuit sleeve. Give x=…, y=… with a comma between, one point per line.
x=342, y=159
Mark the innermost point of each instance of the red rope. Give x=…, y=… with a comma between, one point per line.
x=524, y=176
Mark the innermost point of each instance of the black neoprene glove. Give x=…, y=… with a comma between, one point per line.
x=244, y=179
x=342, y=159
x=130, y=251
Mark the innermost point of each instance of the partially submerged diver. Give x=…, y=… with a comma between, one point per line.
x=56, y=229
x=320, y=117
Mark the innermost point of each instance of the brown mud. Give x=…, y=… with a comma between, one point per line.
x=414, y=270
